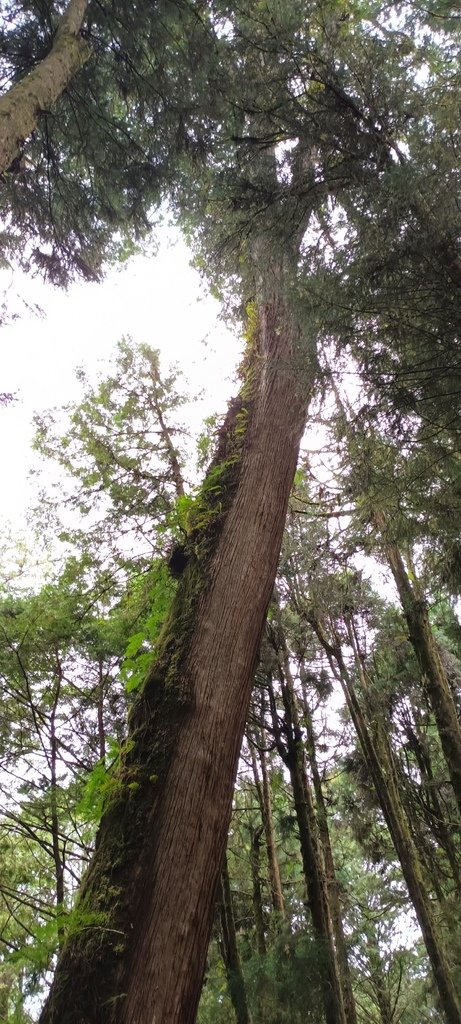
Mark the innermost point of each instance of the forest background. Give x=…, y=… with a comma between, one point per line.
x=318, y=186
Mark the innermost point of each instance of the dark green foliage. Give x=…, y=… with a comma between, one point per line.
x=100, y=160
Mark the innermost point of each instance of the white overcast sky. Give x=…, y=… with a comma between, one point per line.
x=159, y=300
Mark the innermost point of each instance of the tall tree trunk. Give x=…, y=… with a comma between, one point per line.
x=435, y=813
x=165, y=433
x=255, y=864
x=149, y=892
x=330, y=872
x=378, y=978
x=58, y=853
x=6, y=983
x=263, y=790
x=230, y=953
x=379, y=759
x=23, y=104
x=291, y=750
x=100, y=709
x=421, y=637
x=434, y=678
x=261, y=1010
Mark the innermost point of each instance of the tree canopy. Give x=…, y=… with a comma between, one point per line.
x=309, y=151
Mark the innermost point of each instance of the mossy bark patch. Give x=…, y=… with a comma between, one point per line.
x=101, y=923
x=162, y=837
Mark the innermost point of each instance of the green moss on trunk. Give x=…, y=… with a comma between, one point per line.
x=101, y=923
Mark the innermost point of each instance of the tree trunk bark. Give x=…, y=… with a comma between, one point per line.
x=230, y=953
x=22, y=105
x=137, y=952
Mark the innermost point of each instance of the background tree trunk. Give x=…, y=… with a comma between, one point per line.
x=255, y=863
x=434, y=679
x=230, y=953
x=330, y=871
x=265, y=802
x=291, y=750
x=378, y=756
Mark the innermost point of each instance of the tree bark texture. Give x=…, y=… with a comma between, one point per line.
x=137, y=952
x=23, y=104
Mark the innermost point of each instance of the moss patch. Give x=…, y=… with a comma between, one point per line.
x=94, y=951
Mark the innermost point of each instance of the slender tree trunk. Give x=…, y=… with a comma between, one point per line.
x=378, y=756
x=149, y=892
x=22, y=105
x=234, y=973
x=58, y=857
x=330, y=872
x=171, y=450
x=255, y=864
x=292, y=752
x=6, y=983
x=434, y=812
x=100, y=710
x=422, y=639
x=261, y=1010
x=378, y=978
x=263, y=790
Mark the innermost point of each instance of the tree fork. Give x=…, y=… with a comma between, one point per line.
x=146, y=901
